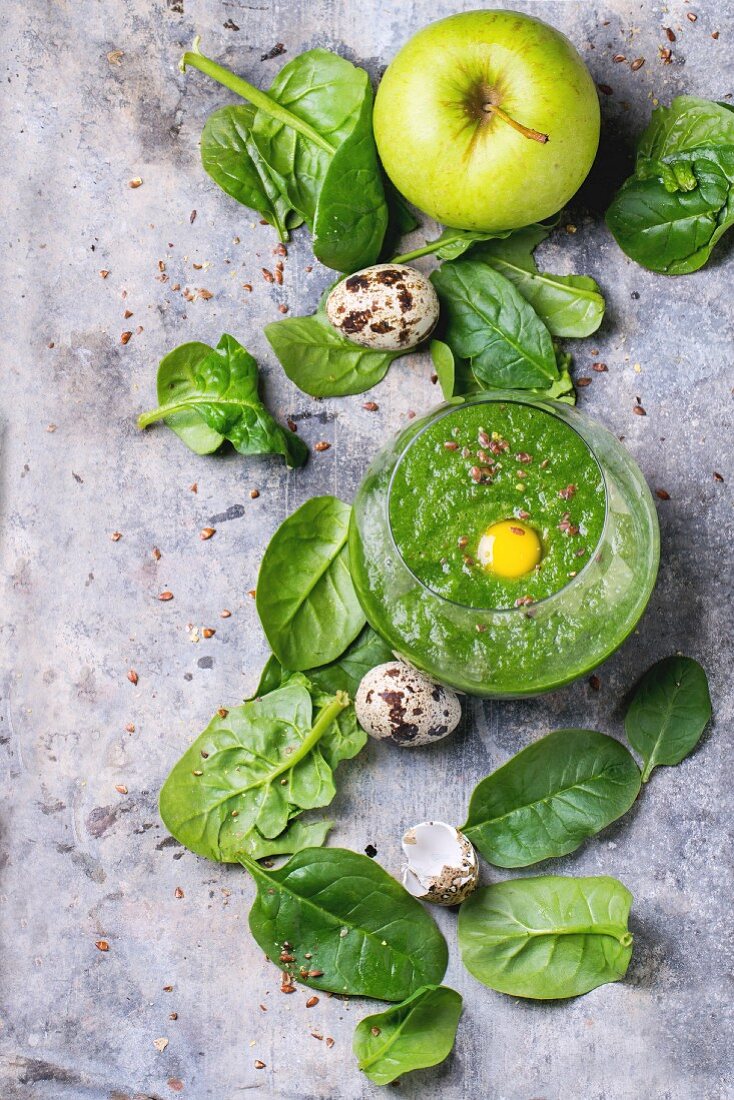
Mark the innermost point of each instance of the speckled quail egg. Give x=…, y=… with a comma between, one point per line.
x=395, y=702
x=388, y=307
x=442, y=864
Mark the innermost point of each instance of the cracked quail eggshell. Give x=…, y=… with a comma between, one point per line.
x=388, y=307
x=395, y=702
x=442, y=865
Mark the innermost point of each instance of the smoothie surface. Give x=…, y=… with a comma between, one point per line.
x=482, y=483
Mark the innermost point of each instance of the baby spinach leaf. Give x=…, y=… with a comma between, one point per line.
x=548, y=798
x=310, y=141
x=456, y=378
x=686, y=124
x=296, y=835
x=231, y=158
x=209, y=394
x=569, y=305
x=669, y=712
x=229, y=782
x=335, y=920
x=305, y=596
x=673, y=231
x=450, y=245
x=489, y=322
x=547, y=937
x=416, y=1034
x=401, y=220
x=322, y=362
x=672, y=211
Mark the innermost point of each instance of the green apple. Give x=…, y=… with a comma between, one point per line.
x=487, y=120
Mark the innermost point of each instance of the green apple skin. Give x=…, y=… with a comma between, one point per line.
x=446, y=151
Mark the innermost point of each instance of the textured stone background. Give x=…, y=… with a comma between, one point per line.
x=82, y=862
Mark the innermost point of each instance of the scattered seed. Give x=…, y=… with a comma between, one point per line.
x=463, y=541
x=605, y=89
x=282, y=309
x=524, y=601
x=258, y=1063
x=254, y=494
x=225, y=614
x=125, y=337
x=311, y=1002
x=102, y=945
x=160, y=1045
x=121, y=788
x=194, y=488
x=524, y=457
x=637, y=64
x=127, y=314
x=669, y=34
x=204, y=293
x=206, y=533
x=370, y=406
x=247, y=287
x=691, y=16
x=175, y=1084
x=208, y=632
x=322, y=446
x=665, y=54
x=173, y=1015
x=115, y=57
x=718, y=476
x=267, y=275
x=132, y=676
x=586, y=381
x=600, y=368
x=619, y=57
x=594, y=683
x=291, y=424
x=165, y=596
x=480, y=628
x=116, y=536
x=715, y=34
x=567, y=493
x=197, y=772
x=450, y=445
x=662, y=494
x=178, y=892
x=375, y=1031
x=156, y=553
x=51, y=428
x=329, y=1042
x=136, y=182
x=103, y=274
x=475, y=474
x=130, y=727
x=168, y=989
x=638, y=410
x=315, y=973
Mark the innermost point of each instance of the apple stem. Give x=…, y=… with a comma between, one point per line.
x=526, y=131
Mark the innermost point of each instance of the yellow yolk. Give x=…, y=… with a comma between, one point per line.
x=509, y=548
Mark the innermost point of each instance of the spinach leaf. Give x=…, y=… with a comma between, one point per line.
x=401, y=220
x=209, y=394
x=669, y=712
x=549, y=797
x=230, y=157
x=672, y=211
x=229, y=782
x=416, y=1034
x=335, y=920
x=674, y=231
x=296, y=835
x=309, y=144
x=686, y=124
x=322, y=362
x=456, y=378
x=450, y=245
x=547, y=937
x=569, y=305
x=489, y=322
x=305, y=596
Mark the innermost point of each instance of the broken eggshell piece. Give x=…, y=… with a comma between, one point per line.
x=388, y=307
x=442, y=864
x=395, y=702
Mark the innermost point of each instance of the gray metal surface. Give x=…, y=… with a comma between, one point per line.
x=84, y=856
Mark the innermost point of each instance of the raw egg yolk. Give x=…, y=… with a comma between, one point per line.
x=509, y=548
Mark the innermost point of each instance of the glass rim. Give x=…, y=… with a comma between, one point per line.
x=504, y=397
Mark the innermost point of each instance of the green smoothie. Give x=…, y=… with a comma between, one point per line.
x=477, y=466
x=505, y=545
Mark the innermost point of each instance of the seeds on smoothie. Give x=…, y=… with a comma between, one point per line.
x=567, y=493
x=451, y=445
x=483, y=438
x=517, y=530
x=475, y=474
x=545, y=463
x=463, y=541
x=524, y=601
x=524, y=457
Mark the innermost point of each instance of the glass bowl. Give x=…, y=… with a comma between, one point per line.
x=516, y=651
